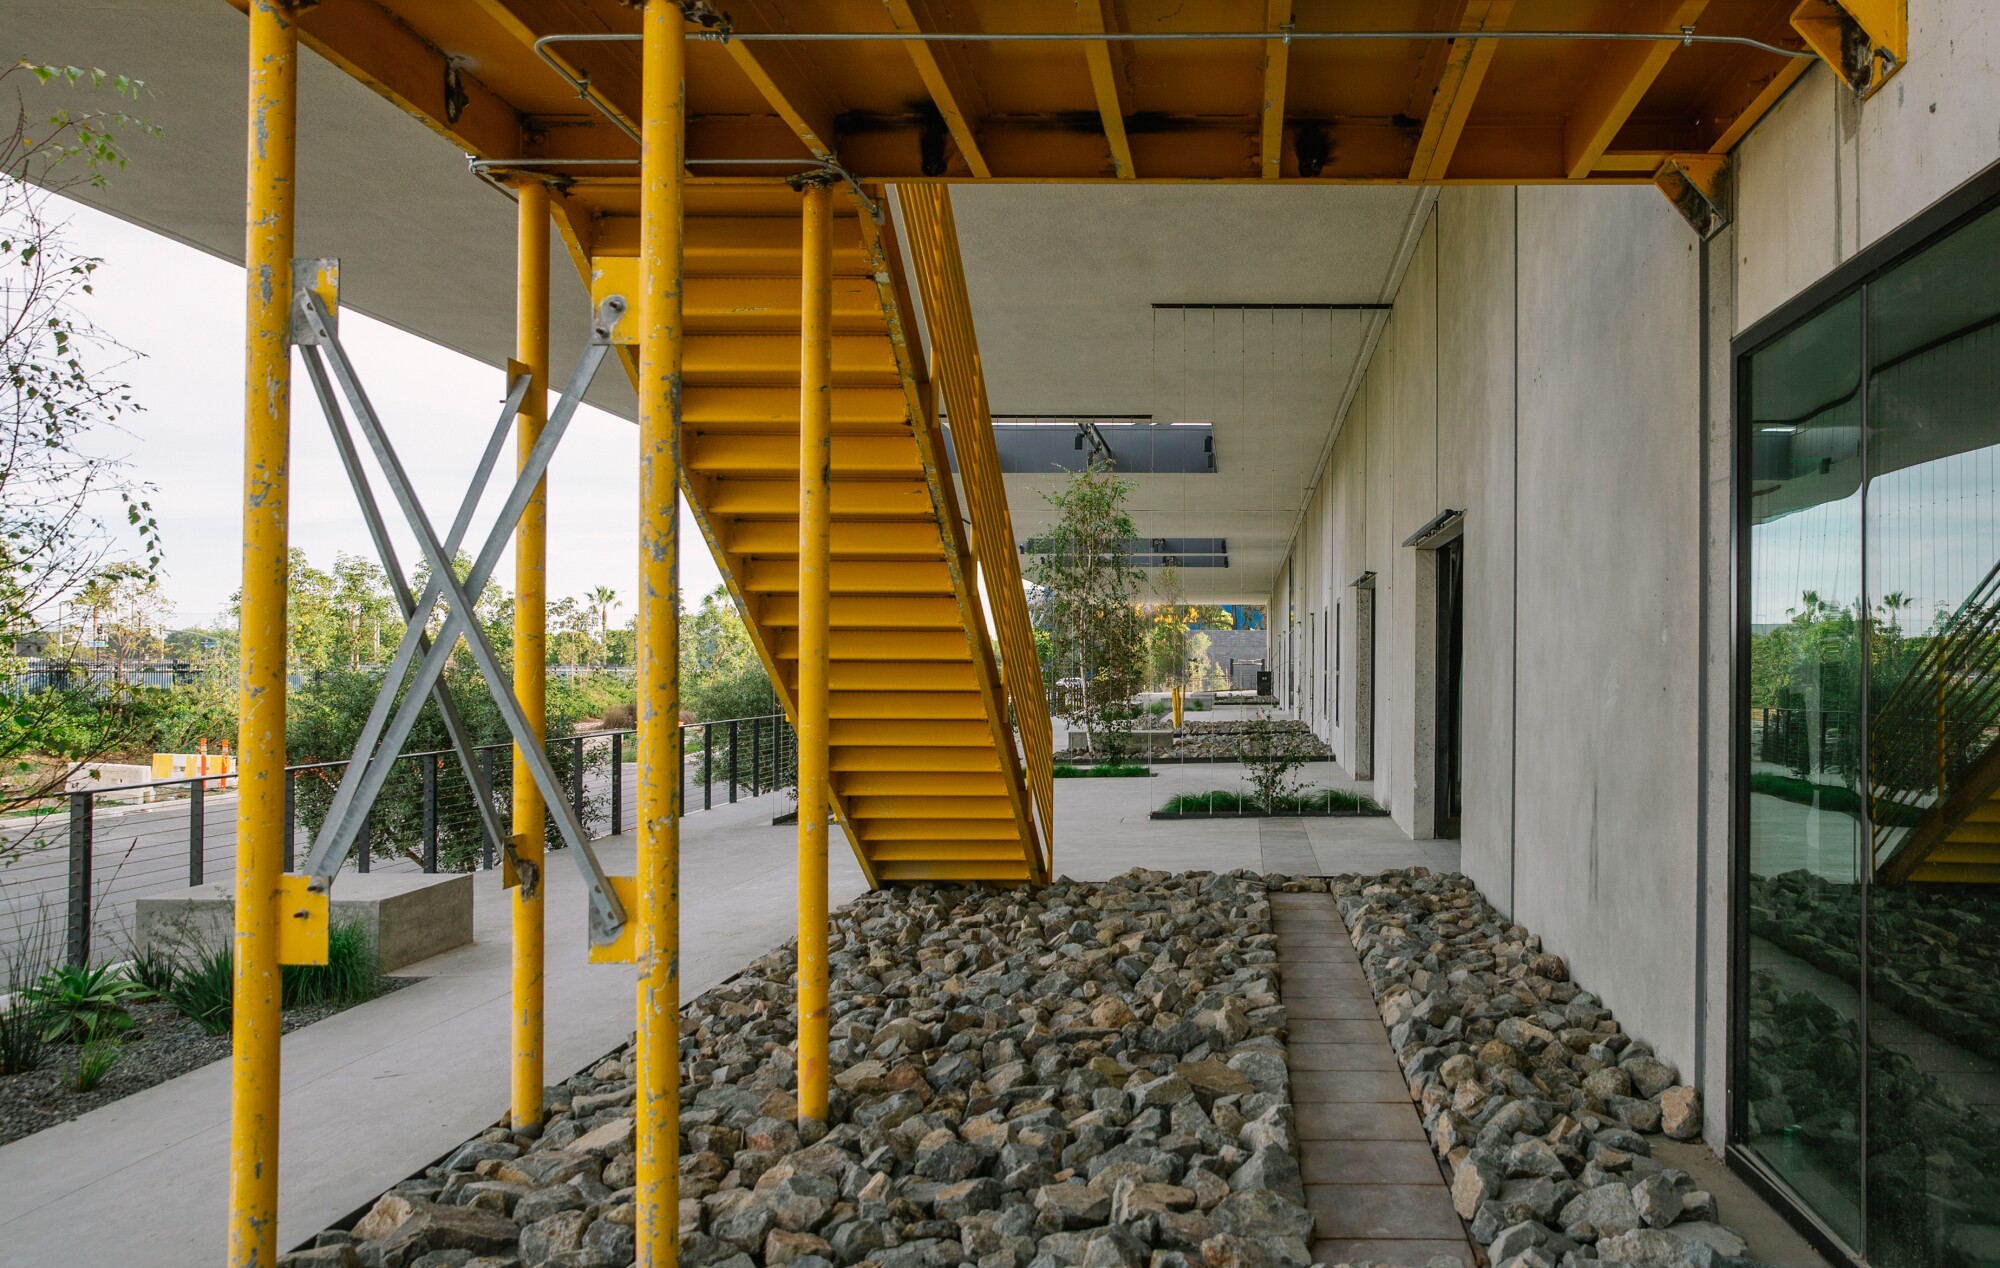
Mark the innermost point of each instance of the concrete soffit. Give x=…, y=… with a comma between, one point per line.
x=1406, y=250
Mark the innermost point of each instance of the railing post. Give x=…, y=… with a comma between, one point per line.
x=732, y=761
x=756, y=756
x=431, y=814
x=708, y=766
x=81, y=847
x=291, y=816
x=490, y=845
x=576, y=785
x=617, y=782
x=197, y=830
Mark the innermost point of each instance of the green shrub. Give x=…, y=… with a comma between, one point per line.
x=1317, y=801
x=21, y=1041
x=204, y=991
x=1830, y=797
x=153, y=971
x=1109, y=770
x=1158, y=709
x=94, y=1059
x=76, y=1000
x=351, y=975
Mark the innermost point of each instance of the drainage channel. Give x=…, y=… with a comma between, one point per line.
x=1372, y=1182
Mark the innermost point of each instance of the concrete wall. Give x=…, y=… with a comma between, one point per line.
x=1549, y=370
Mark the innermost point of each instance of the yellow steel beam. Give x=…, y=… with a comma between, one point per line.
x=1106, y=83
x=1459, y=80
x=779, y=77
x=1624, y=73
x=1864, y=41
x=1277, y=56
x=922, y=733
x=874, y=499
x=859, y=757
x=372, y=46
x=936, y=832
x=911, y=783
x=938, y=706
x=777, y=408
x=813, y=577
x=870, y=675
x=260, y=815
x=754, y=359
x=663, y=128
x=528, y=847
x=954, y=93
x=756, y=453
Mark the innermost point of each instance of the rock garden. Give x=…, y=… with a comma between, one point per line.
x=1085, y=1074
x=1541, y=1108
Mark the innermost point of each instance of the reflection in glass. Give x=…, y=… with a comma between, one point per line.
x=1933, y=524
x=1805, y=836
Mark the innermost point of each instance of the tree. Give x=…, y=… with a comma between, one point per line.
x=605, y=598
x=721, y=675
x=56, y=401
x=1089, y=604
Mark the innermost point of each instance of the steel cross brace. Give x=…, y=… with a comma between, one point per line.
x=385, y=549
x=382, y=737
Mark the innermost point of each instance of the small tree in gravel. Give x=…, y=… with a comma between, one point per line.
x=1271, y=759
x=1089, y=604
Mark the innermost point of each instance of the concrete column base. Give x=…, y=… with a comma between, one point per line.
x=410, y=916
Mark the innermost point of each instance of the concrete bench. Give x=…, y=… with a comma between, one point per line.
x=410, y=916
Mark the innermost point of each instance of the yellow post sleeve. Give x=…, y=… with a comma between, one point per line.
x=815, y=606
x=663, y=133
x=530, y=826
x=260, y=812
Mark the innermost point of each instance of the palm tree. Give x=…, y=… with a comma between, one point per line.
x=605, y=598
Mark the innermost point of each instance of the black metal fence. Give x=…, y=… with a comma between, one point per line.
x=69, y=879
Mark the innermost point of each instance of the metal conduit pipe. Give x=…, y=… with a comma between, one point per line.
x=1687, y=35
x=484, y=169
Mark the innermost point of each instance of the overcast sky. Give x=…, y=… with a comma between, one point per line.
x=181, y=310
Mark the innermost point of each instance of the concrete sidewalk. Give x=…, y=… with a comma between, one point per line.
x=379, y=1091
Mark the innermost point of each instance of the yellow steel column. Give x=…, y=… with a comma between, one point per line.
x=815, y=605
x=260, y=740
x=531, y=349
x=663, y=131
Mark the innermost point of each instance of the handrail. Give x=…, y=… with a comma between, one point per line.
x=1932, y=724
x=940, y=274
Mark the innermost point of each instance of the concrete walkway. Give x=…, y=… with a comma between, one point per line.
x=1372, y=1182
x=378, y=1092
x=382, y=1090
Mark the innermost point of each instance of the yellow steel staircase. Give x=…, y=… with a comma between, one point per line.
x=930, y=779
x=1934, y=761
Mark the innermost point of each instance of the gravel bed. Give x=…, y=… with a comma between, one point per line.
x=161, y=1045
x=1222, y=739
x=1088, y=1074
x=1539, y=1104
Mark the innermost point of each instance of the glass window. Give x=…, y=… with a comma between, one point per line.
x=1804, y=1069
x=1870, y=1053
x=1933, y=525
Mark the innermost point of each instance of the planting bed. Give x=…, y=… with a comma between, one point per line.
x=1539, y=1105
x=1084, y=1074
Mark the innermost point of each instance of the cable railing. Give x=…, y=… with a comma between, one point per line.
x=1940, y=720
x=70, y=878
x=933, y=238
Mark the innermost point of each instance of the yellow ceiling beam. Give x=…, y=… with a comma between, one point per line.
x=1104, y=82
x=954, y=93
x=1625, y=72
x=1277, y=57
x=1465, y=66
x=374, y=47
x=1864, y=41
x=775, y=71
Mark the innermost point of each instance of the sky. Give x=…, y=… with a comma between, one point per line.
x=180, y=311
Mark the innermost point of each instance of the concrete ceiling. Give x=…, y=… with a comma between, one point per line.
x=1063, y=279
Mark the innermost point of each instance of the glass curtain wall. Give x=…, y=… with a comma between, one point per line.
x=1870, y=1020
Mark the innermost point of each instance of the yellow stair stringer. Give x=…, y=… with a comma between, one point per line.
x=912, y=664
x=1957, y=841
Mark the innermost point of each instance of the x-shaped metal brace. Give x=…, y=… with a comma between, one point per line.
x=383, y=735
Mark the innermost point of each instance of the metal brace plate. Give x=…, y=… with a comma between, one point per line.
x=303, y=921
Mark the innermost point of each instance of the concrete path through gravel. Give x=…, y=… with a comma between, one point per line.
x=1372, y=1183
